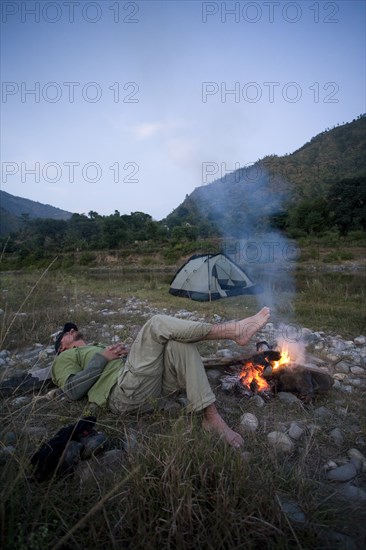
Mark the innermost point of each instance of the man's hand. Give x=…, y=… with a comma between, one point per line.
x=116, y=351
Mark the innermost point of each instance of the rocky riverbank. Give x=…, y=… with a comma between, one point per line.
x=290, y=427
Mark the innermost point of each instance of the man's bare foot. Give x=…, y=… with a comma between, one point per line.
x=246, y=328
x=239, y=331
x=213, y=422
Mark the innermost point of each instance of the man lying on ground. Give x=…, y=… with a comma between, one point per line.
x=162, y=361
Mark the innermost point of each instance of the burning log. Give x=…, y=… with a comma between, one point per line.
x=271, y=371
x=303, y=381
x=263, y=358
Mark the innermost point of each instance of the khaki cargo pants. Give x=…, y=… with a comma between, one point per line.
x=163, y=360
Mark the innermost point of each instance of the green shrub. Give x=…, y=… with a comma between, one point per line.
x=87, y=258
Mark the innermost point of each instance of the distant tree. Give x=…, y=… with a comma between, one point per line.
x=115, y=230
x=93, y=215
x=24, y=219
x=347, y=204
x=184, y=233
x=310, y=216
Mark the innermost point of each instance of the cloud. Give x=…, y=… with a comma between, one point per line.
x=148, y=129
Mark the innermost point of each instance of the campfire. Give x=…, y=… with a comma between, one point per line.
x=272, y=370
x=254, y=375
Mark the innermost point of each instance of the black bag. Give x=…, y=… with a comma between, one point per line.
x=62, y=453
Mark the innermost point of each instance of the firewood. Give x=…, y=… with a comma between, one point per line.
x=259, y=359
x=221, y=362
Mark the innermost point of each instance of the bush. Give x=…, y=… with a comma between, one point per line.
x=87, y=258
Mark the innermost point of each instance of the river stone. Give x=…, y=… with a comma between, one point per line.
x=307, y=335
x=295, y=431
x=322, y=413
x=360, y=340
x=41, y=374
x=337, y=436
x=340, y=376
x=330, y=465
x=333, y=358
x=249, y=422
x=288, y=398
x=338, y=345
x=357, y=463
x=355, y=453
x=258, y=401
x=346, y=472
x=356, y=382
x=343, y=366
x=280, y=442
x=357, y=370
x=292, y=510
x=352, y=492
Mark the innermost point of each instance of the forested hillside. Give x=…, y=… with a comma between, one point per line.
x=313, y=189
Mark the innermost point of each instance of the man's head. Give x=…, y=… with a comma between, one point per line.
x=67, y=338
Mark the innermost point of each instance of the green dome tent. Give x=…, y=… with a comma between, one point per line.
x=207, y=277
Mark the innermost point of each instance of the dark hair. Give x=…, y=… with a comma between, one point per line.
x=67, y=328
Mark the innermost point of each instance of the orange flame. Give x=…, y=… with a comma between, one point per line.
x=284, y=359
x=251, y=374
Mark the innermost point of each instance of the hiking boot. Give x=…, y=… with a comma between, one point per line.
x=93, y=444
x=71, y=457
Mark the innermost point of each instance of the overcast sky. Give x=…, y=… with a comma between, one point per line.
x=131, y=105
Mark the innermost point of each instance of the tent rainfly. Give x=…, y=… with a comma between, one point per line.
x=207, y=277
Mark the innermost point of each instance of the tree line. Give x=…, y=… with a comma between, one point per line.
x=342, y=210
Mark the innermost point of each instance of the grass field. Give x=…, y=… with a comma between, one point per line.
x=177, y=486
x=334, y=302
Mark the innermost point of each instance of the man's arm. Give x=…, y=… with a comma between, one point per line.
x=78, y=385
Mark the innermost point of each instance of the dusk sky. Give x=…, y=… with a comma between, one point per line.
x=129, y=106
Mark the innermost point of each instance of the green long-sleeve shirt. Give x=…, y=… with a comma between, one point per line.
x=85, y=371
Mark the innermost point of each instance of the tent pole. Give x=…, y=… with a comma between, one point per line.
x=209, y=278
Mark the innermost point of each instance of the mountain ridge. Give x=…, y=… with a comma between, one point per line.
x=277, y=183
x=13, y=208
